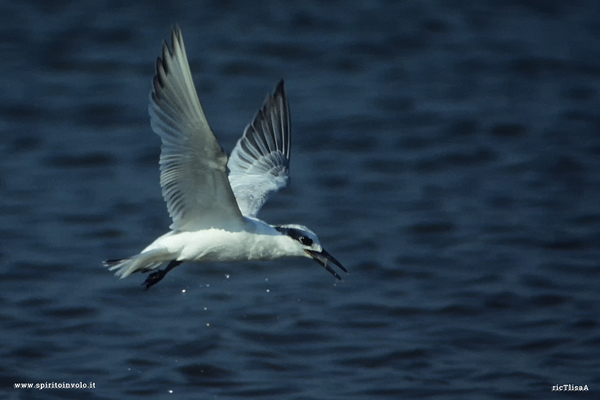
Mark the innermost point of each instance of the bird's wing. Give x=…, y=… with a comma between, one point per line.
x=193, y=166
x=259, y=164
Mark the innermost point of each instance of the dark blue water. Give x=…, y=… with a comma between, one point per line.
x=447, y=152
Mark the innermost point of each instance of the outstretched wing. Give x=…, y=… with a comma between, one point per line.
x=259, y=164
x=193, y=167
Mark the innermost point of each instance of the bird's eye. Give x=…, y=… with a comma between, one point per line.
x=306, y=241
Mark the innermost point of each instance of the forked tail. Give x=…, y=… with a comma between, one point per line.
x=143, y=262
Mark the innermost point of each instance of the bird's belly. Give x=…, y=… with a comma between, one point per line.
x=216, y=245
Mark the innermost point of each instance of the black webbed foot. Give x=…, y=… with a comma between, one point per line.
x=154, y=278
x=157, y=276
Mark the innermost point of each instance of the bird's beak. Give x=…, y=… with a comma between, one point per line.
x=323, y=257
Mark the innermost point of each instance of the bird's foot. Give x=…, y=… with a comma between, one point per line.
x=154, y=278
x=157, y=276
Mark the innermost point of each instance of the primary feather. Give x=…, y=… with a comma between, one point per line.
x=193, y=167
x=260, y=162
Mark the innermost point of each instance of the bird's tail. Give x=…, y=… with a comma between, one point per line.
x=142, y=262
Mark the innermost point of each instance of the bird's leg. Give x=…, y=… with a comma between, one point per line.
x=157, y=276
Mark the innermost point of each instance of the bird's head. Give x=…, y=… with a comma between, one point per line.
x=309, y=246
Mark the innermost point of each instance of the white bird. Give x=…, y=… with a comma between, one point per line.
x=213, y=212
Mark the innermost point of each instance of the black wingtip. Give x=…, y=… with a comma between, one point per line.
x=280, y=88
x=175, y=35
x=175, y=30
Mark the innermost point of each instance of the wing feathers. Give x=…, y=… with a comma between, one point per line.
x=259, y=163
x=193, y=166
x=192, y=163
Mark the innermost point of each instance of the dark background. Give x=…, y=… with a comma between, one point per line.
x=447, y=152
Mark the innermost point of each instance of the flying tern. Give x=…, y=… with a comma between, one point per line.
x=212, y=200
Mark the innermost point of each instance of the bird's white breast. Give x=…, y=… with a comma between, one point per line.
x=259, y=242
